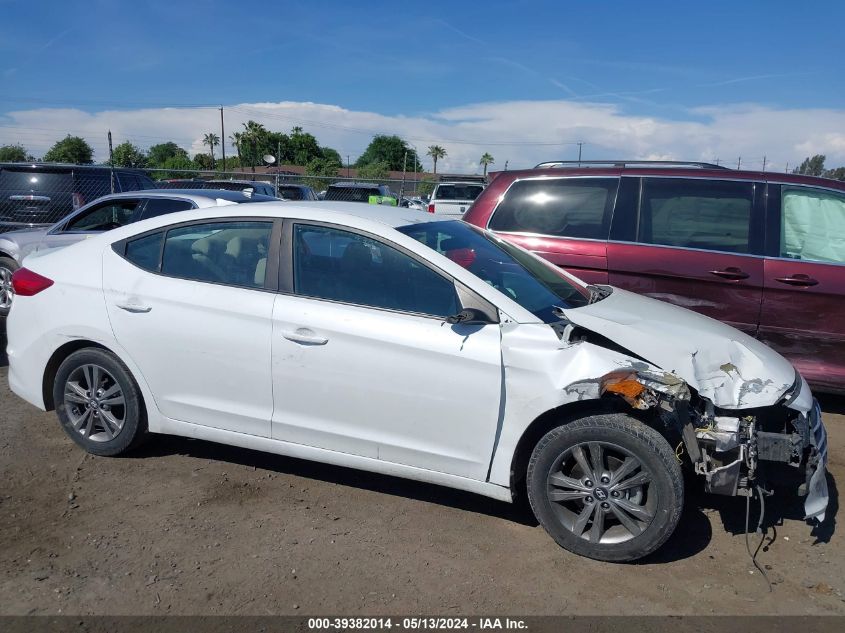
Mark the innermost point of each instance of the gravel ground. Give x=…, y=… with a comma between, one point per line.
x=189, y=527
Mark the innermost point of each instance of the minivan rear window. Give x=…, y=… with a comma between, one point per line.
x=560, y=207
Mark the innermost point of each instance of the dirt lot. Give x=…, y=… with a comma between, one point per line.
x=188, y=527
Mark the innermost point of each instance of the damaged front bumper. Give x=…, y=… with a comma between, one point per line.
x=773, y=445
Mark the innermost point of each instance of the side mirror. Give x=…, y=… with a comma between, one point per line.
x=470, y=316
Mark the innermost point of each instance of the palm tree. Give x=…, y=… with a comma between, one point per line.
x=253, y=133
x=211, y=139
x=237, y=138
x=436, y=152
x=486, y=159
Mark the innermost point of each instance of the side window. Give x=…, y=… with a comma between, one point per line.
x=145, y=252
x=350, y=268
x=233, y=253
x=104, y=217
x=812, y=225
x=561, y=207
x=690, y=213
x=162, y=206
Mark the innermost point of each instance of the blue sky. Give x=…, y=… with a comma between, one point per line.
x=672, y=62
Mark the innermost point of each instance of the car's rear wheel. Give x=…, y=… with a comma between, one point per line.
x=7, y=294
x=98, y=402
x=607, y=487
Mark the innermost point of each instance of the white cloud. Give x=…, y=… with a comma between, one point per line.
x=521, y=132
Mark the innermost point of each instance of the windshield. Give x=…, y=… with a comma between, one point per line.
x=531, y=282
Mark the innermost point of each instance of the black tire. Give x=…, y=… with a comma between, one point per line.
x=7, y=267
x=97, y=432
x=654, y=492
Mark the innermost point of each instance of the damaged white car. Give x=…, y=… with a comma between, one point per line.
x=388, y=340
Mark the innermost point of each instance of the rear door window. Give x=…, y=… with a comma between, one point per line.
x=560, y=207
x=696, y=213
x=812, y=225
x=232, y=253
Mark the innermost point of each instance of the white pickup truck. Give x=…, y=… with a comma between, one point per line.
x=453, y=198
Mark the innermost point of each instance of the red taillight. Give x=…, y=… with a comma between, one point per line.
x=431, y=208
x=462, y=256
x=27, y=283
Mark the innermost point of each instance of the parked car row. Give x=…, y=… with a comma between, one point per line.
x=411, y=344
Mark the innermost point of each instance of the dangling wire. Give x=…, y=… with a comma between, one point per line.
x=760, y=494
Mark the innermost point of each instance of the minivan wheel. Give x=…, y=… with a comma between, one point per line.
x=98, y=402
x=606, y=486
x=7, y=294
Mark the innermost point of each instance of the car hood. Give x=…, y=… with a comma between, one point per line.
x=732, y=369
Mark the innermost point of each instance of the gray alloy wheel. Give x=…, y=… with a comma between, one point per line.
x=94, y=403
x=606, y=486
x=7, y=294
x=601, y=492
x=98, y=402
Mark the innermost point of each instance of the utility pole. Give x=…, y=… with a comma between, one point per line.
x=506, y=165
x=278, y=162
x=111, y=162
x=347, y=165
x=764, y=163
x=580, y=144
x=223, y=138
x=738, y=162
x=402, y=187
x=717, y=161
x=786, y=171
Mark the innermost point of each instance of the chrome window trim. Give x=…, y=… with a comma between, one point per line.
x=687, y=248
x=545, y=177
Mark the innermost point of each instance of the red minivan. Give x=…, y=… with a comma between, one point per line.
x=762, y=251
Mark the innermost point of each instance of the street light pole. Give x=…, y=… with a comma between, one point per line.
x=223, y=138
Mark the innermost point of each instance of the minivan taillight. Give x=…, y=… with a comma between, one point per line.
x=431, y=208
x=27, y=283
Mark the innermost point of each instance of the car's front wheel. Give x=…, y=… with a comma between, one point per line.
x=7, y=267
x=98, y=402
x=607, y=487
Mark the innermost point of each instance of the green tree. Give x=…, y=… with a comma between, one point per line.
x=436, y=152
x=212, y=140
x=425, y=187
x=204, y=161
x=304, y=147
x=812, y=166
x=178, y=167
x=128, y=155
x=253, y=143
x=486, y=159
x=71, y=149
x=13, y=153
x=279, y=146
x=390, y=150
x=237, y=139
x=321, y=172
x=331, y=154
x=159, y=154
x=836, y=174
x=374, y=171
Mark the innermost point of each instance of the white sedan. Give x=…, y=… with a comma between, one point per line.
x=394, y=341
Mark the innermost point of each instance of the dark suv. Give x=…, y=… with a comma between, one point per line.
x=33, y=194
x=762, y=251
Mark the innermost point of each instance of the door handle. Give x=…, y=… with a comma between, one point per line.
x=305, y=335
x=797, y=280
x=134, y=308
x=732, y=272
